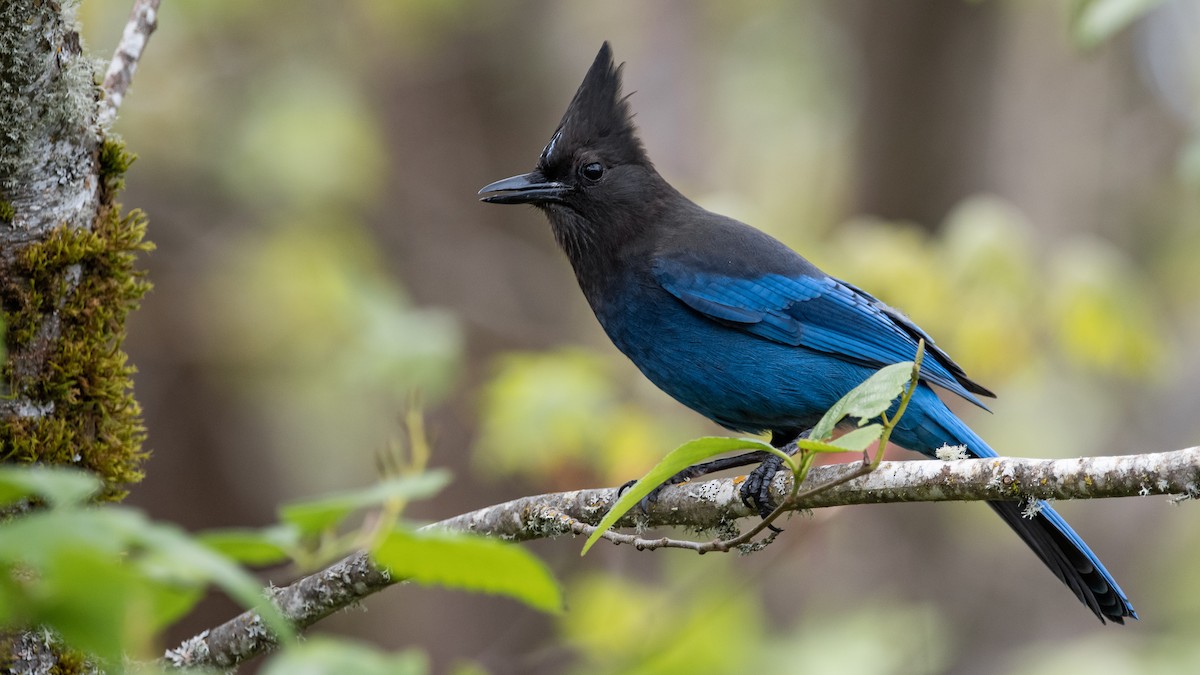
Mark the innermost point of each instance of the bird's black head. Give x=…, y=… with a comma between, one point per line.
x=594, y=170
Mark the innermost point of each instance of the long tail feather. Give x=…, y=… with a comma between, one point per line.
x=1038, y=525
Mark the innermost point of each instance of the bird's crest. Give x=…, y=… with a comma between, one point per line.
x=598, y=117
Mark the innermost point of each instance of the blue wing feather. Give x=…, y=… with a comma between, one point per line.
x=817, y=312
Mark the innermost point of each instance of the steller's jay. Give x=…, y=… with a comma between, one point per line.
x=737, y=326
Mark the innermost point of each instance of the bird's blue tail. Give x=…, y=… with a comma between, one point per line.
x=929, y=424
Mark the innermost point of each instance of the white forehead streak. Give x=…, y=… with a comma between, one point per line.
x=549, y=149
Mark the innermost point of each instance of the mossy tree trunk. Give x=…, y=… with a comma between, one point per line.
x=67, y=277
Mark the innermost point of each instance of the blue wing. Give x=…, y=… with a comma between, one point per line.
x=817, y=312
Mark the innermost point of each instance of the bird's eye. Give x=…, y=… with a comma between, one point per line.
x=592, y=171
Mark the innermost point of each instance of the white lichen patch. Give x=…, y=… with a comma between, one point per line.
x=194, y=650
x=950, y=452
x=708, y=491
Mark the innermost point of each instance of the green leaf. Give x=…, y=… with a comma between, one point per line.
x=868, y=400
x=88, y=599
x=469, y=563
x=166, y=602
x=61, y=486
x=317, y=515
x=81, y=580
x=175, y=558
x=853, y=441
x=328, y=656
x=268, y=546
x=37, y=538
x=677, y=460
x=1098, y=20
x=858, y=439
x=83, y=559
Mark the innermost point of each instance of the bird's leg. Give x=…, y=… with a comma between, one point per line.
x=756, y=489
x=697, y=470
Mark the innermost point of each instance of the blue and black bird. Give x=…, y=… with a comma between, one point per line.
x=737, y=326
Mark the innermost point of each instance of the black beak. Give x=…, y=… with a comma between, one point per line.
x=529, y=188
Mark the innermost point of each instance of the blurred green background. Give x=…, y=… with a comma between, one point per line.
x=1022, y=178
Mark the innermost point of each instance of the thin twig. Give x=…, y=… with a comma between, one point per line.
x=576, y=527
x=143, y=19
x=713, y=504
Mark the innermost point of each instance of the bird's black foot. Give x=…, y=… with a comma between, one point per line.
x=696, y=471
x=756, y=490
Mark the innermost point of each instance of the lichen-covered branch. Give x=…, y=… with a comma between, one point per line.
x=715, y=505
x=305, y=602
x=143, y=19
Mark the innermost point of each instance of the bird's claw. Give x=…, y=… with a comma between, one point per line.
x=755, y=491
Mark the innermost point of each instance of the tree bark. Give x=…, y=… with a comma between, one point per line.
x=49, y=166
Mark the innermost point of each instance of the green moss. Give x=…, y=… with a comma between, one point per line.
x=114, y=162
x=71, y=662
x=86, y=279
x=7, y=212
